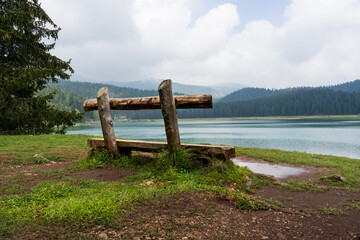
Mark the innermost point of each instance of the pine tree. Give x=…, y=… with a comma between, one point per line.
x=27, y=34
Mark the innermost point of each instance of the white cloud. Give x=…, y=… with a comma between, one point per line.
x=130, y=40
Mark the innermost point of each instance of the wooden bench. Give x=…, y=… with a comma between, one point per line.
x=168, y=105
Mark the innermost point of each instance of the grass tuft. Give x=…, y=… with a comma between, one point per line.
x=331, y=211
x=180, y=160
x=246, y=203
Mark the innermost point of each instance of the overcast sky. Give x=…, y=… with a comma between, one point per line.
x=261, y=43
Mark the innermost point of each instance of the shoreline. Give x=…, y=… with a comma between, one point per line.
x=317, y=117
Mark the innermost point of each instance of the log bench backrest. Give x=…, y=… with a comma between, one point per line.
x=166, y=102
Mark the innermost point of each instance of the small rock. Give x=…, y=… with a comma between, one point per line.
x=147, y=183
x=103, y=235
x=185, y=238
x=42, y=157
x=39, y=156
x=136, y=238
x=30, y=174
x=339, y=178
x=281, y=236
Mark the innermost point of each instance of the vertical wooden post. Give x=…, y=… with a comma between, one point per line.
x=106, y=120
x=168, y=110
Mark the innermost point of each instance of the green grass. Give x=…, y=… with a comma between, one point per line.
x=53, y=147
x=346, y=167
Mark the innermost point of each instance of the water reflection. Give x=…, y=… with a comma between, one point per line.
x=270, y=169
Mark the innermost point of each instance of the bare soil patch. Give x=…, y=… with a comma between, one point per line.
x=204, y=216
x=104, y=174
x=308, y=201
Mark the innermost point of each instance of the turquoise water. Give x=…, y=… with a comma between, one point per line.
x=330, y=137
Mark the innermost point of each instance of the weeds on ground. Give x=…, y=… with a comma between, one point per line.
x=89, y=202
x=353, y=204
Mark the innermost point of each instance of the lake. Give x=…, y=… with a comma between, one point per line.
x=329, y=137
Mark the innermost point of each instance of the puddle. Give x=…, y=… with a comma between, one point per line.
x=275, y=170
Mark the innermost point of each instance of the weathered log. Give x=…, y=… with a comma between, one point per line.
x=106, y=121
x=181, y=102
x=222, y=152
x=168, y=110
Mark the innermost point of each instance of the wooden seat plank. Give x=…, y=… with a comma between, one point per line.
x=224, y=152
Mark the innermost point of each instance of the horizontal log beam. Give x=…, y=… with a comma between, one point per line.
x=181, y=102
x=223, y=152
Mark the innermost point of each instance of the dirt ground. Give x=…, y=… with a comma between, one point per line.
x=204, y=216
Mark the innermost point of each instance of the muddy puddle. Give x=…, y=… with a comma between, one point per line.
x=276, y=170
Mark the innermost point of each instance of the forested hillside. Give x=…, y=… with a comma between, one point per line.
x=340, y=99
x=255, y=93
x=251, y=93
x=347, y=87
x=71, y=95
x=318, y=101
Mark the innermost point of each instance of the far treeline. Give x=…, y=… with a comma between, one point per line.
x=342, y=99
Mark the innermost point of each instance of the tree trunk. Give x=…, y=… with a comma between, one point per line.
x=168, y=110
x=106, y=120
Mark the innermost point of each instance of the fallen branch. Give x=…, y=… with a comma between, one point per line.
x=277, y=208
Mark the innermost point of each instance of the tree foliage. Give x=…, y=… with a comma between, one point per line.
x=27, y=34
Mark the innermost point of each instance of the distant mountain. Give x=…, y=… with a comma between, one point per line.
x=147, y=84
x=246, y=94
x=152, y=84
x=227, y=88
x=89, y=90
x=194, y=90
